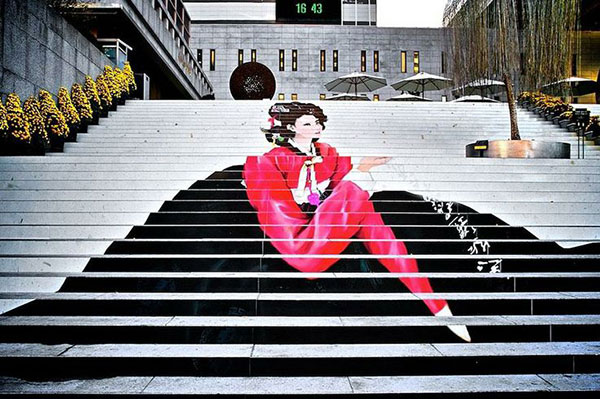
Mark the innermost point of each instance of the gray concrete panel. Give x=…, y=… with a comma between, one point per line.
x=41, y=50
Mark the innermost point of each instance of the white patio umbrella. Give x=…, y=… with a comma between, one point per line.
x=482, y=87
x=422, y=82
x=356, y=83
x=474, y=99
x=574, y=85
x=407, y=97
x=348, y=97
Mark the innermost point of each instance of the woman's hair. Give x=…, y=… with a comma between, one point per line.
x=283, y=114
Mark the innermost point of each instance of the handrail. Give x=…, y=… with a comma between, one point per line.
x=169, y=12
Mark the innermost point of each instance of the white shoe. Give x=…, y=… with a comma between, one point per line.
x=460, y=330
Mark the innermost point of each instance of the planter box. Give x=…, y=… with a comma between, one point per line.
x=520, y=149
x=56, y=143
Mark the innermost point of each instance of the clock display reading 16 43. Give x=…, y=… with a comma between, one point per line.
x=309, y=11
x=316, y=8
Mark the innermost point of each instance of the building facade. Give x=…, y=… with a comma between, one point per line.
x=304, y=56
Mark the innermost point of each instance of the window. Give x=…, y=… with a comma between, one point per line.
x=322, y=61
x=282, y=60
x=281, y=97
x=416, y=62
x=294, y=96
x=335, y=60
x=294, y=60
x=403, y=62
x=240, y=57
x=253, y=55
x=322, y=96
x=375, y=97
x=443, y=62
x=375, y=61
x=363, y=61
x=212, y=59
x=199, y=57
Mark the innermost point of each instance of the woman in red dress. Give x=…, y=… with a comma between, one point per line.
x=306, y=207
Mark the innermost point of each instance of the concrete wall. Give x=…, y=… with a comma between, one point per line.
x=41, y=50
x=308, y=81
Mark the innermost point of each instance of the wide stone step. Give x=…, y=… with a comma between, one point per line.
x=200, y=146
x=438, y=176
x=294, y=330
x=64, y=166
x=301, y=304
x=484, y=386
x=288, y=360
x=254, y=249
x=283, y=321
x=495, y=349
x=144, y=281
x=517, y=208
x=160, y=159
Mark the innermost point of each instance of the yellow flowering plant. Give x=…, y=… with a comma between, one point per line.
x=103, y=93
x=112, y=83
x=122, y=82
x=130, y=77
x=91, y=91
x=81, y=103
x=18, y=127
x=3, y=121
x=37, y=128
x=56, y=126
x=66, y=107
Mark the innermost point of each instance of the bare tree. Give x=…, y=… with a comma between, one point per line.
x=525, y=41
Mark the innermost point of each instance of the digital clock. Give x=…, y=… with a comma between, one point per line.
x=309, y=12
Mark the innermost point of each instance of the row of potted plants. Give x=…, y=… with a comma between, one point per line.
x=40, y=124
x=556, y=110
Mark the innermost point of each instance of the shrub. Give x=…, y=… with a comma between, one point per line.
x=3, y=121
x=112, y=82
x=37, y=128
x=56, y=126
x=593, y=126
x=91, y=91
x=18, y=127
x=130, y=77
x=122, y=82
x=67, y=108
x=81, y=103
x=106, y=98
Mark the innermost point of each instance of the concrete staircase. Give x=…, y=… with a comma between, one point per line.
x=132, y=264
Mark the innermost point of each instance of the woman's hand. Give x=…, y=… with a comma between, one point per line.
x=368, y=162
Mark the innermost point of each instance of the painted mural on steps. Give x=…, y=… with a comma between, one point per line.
x=300, y=207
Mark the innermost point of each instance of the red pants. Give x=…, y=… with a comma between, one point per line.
x=346, y=213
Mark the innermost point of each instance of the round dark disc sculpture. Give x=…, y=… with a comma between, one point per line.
x=252, y=81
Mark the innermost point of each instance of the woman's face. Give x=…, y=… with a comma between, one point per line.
x=307, y=127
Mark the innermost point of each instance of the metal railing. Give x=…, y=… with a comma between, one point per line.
x=178, y=22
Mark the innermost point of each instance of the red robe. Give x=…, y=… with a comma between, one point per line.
x=346, y=213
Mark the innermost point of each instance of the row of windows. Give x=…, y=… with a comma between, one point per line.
x=323, y=60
